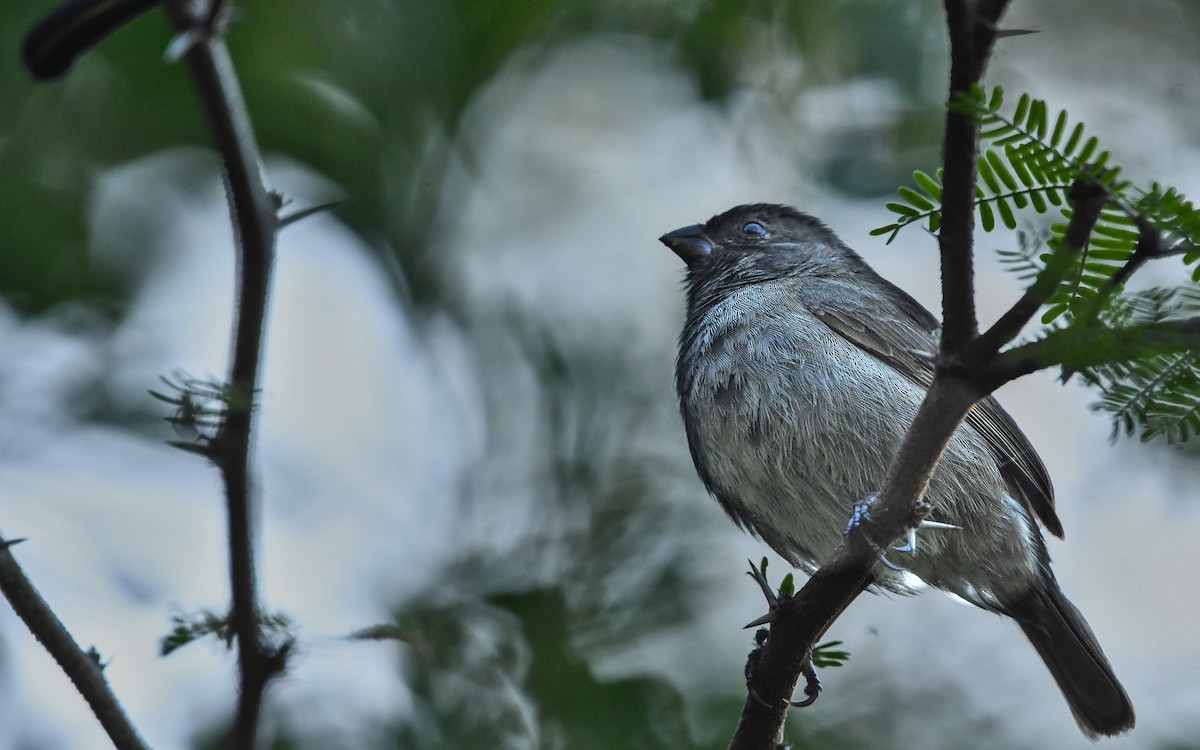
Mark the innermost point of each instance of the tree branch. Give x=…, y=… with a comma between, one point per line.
x=972, y=28
x=802, y=620
x=62, y=35
x=255, y=226
x=1080, y=347
x=81, y=667
x=1087, y=199
x=1149, y=246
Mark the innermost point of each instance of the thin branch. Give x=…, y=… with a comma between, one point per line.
x=303, y=213
x=81, y=667
x=255, y=226
x=1087, y=199
x=1149, y=246
x=1079, y=347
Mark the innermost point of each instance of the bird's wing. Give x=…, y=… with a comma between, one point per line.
x=906, y=342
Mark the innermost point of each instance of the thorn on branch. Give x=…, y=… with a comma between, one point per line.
x=1006, y=33
x=304, y=213
x=94, y=654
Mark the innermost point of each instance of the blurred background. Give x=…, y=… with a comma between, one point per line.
x=468, y=427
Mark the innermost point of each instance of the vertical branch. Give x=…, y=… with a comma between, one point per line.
x=255, y=225
x=972, y=27
x=49, y=50
x=83, y=668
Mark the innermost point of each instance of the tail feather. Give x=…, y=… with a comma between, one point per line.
x=1066, y=644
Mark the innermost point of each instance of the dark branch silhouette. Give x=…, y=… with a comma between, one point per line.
x=972, y=28
x=58, y=39
x=1087, y=201
x=83, y=668
x=50, y=49
x=255, y=225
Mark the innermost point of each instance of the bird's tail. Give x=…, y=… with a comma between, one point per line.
x=1065, y=642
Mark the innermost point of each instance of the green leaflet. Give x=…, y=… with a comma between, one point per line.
x=1028, y=160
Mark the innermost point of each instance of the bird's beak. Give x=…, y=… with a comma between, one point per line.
x=689, y=243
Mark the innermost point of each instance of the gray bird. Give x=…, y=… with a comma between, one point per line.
x=799, y=371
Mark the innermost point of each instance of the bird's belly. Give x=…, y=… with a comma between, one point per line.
x=797, y=442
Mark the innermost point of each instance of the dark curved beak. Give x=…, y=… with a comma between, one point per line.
x=689, y=243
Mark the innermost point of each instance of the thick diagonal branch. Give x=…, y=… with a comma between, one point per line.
x=801, y=621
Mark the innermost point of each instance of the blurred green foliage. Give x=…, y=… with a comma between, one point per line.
x=370, y=93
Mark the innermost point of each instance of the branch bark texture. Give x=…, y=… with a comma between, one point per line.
x=255, y=226
x=81, y=667
x=803, y=619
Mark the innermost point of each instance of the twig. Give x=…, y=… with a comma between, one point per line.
x=1080, y=347
x=81, y=667
x=255, y=226
x=1087, y=199
x=1149, y=246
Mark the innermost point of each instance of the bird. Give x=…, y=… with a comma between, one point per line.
x=799, y=370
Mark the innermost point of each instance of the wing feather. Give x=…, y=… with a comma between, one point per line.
x=906, y=341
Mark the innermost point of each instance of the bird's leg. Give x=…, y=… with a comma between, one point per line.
x=861, y=518
x=752, y=661
x=812, y=687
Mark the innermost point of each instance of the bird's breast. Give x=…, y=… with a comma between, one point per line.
x=780, y=421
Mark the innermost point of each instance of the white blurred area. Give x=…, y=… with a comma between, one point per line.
x=372, y=420
x=366, y=426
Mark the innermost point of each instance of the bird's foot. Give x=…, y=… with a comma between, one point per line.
x=860, y=520
x=812, y=686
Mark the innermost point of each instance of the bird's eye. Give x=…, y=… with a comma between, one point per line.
x=754, y=229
